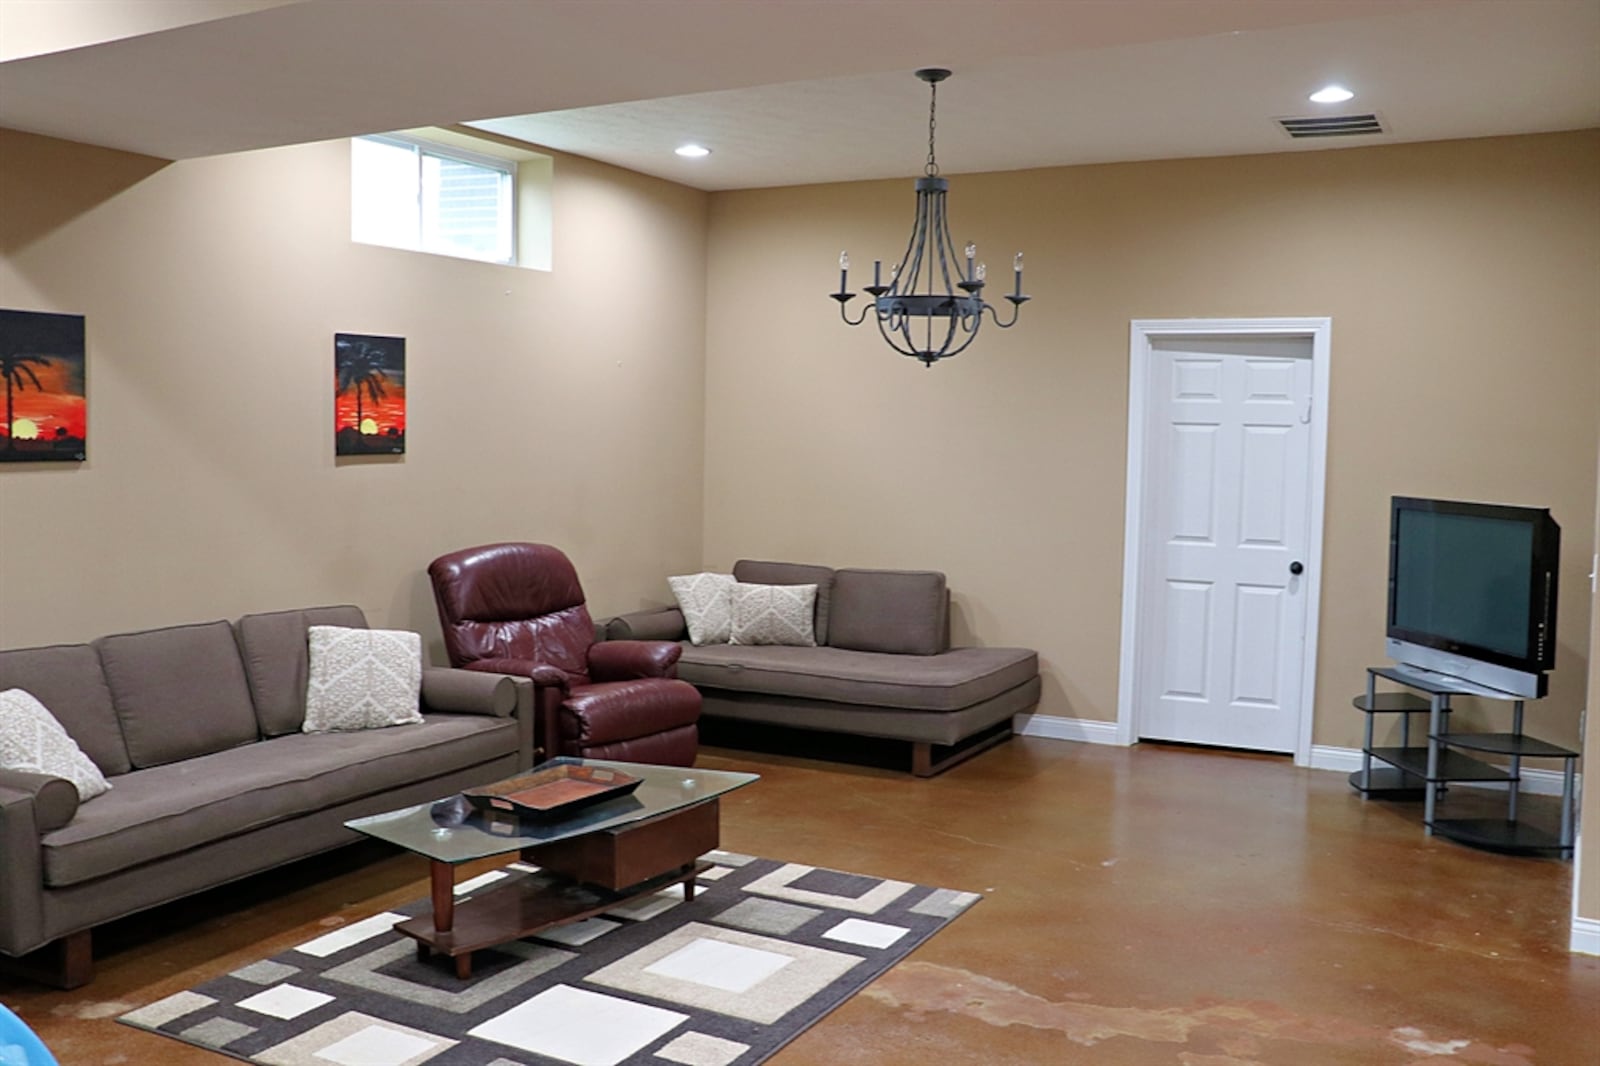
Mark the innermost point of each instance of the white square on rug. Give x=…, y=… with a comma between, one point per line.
x=375, y=1045
x=867, y=934
x=285, y=1001
x=583, y=1028
x=577, y=934
x=356, y=1038
x=808, y=971
x=717, y=964
x=336, y=941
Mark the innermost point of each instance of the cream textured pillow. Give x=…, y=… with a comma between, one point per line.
x=362, y=679
x=773, y=614
x=31, y=740
x=703, y=599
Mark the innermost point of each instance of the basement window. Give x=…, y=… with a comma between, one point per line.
x=425, y=197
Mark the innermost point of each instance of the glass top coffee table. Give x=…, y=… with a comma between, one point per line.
x=593, y=858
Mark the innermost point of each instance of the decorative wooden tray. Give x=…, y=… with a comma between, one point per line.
x=553, y=792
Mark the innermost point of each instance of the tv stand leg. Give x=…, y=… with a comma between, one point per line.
x=1438, y=703
x=1516, y=764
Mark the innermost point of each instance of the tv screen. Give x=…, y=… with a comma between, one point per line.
x=1474, y=583
x=1464, y=578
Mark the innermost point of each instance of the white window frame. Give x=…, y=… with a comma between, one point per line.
x=422, y=148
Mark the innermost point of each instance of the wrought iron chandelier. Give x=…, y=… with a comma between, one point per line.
x=930, y=310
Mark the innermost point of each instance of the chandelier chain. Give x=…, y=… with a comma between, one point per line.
x=932, y=169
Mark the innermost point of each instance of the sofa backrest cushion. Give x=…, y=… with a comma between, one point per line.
x=756, y=572
x=900, y=611
x=66, y=678
x=179, y=692
x=277, y=665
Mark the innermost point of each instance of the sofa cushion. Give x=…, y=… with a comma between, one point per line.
x=899, y=611
x=179, y=692
x=362, y=679
x=946, y=682
x=66, y=678
x=273, y=646
x=757, y=572
x=773, y=614
x=33, y=742
x=169, y=809
x=705, y=599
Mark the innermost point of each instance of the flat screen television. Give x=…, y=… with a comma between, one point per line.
x=1472, y=592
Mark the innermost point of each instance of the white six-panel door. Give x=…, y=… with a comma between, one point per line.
x=1222, y=615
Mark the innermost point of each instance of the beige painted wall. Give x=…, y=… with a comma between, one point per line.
x=1461, y=281
x=561, y=406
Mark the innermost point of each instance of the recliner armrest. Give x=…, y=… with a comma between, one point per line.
x=625, y=660
x=55, y=799
x=541, y=674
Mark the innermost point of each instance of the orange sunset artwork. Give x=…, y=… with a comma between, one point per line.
x=369, y=406
x=46, y=410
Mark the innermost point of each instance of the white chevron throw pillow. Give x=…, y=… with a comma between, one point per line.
x=774, y=614
x=704, y=600
x=362, y=679
x=32, y=741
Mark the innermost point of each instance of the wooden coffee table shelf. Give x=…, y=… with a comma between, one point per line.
x=523, y=908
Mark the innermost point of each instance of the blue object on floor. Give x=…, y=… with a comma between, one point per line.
x=18, y=1045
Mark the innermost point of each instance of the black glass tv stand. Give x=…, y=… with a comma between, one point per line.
x=1422, y=768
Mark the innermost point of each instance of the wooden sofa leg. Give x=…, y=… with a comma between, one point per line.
x=64, y=963
x=924, y=762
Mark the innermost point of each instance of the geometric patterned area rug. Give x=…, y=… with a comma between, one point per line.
x=763, y=951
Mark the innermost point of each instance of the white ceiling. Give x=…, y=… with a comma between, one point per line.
x=795, y=91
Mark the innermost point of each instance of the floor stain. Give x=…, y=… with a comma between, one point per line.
x=924, y=988
x=91, y=1010
x=1417, y=1040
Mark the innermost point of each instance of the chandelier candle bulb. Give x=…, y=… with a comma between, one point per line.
x=877, y=272
x=972, y=253
x=1016, y=265
x=981, y=274
x=844, y=271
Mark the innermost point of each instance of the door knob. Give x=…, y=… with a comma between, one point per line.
x=1296, y=568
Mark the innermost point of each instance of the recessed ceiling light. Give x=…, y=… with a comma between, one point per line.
x=1333, y=94
x=692, y=151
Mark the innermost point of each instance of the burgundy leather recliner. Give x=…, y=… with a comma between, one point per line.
x=518, y=609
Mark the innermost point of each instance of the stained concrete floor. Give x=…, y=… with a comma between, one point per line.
x=1150, y=905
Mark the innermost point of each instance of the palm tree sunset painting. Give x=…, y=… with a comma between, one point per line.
x=369, y=403
x=46, y=413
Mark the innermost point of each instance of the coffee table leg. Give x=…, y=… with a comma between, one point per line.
x=443, y=877
x=688, y=886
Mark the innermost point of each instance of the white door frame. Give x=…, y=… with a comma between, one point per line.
x=1140, y=358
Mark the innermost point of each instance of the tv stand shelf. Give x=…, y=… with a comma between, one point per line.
x=1413, y=771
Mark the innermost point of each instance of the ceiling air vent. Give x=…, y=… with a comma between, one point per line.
x=1331, y=126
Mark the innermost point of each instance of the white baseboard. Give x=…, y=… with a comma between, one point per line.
x=1585, y=936
x=1323, y=757
x=1535, y=781
x=1084, y=730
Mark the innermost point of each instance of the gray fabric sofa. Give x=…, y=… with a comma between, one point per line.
x=198, y=730
x=883, y=665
